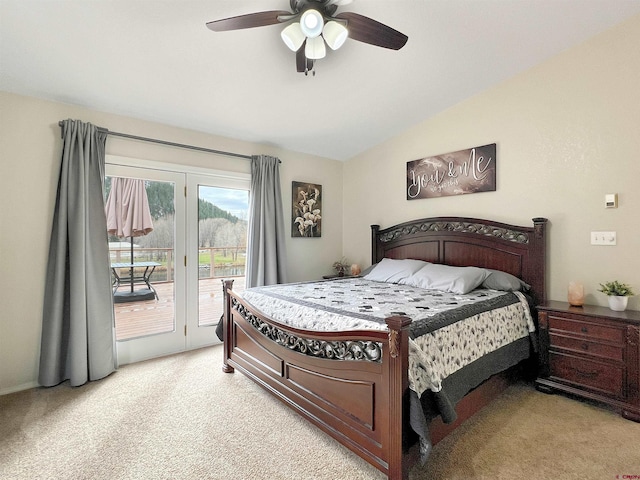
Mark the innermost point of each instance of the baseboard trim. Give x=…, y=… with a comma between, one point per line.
x=18, y=388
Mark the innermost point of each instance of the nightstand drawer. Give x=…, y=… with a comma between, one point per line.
x=592, y=352
x=601, y=377
x=595, y=332
x=586, y=347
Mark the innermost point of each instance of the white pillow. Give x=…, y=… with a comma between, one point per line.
x=446, y=278
x=393, y=271
x=497, y=280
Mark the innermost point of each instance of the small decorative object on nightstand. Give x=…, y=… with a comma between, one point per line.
x=617, y=294
x=355, y=270
x=575, y=294
x=341, y=267
x=592, y=352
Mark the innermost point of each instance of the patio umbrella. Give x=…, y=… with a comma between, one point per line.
x=127, y=211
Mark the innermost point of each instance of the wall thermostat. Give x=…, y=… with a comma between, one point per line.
x=611, y=200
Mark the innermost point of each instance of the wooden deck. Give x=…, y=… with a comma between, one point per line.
x=150, y=317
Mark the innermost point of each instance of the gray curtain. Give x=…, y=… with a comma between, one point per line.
x=78, y=335
x=266, y=248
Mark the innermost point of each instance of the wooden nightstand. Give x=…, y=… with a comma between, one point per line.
x=592, y=352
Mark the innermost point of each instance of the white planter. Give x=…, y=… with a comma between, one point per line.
x=618, y=304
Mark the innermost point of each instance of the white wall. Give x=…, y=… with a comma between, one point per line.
x=567, y=133
x=30, y=151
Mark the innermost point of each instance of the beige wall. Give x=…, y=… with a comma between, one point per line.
x=30, y=149
x=567, y=133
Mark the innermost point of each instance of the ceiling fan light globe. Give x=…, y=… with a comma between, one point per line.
x=335, y=34
x=311, y=23
x=315, y=49
x=293, y=37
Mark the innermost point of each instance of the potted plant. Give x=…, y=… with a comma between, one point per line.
x=617, y=294
x=341, y=266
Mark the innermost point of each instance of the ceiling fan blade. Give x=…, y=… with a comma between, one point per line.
x=367, y=30
x=301, y=60
x=303, y=64
x=297, y=5
x=259, y=19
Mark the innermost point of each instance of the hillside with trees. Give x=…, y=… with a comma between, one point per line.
x=217, y=227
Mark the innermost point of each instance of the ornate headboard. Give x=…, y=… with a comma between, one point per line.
x=461, y=241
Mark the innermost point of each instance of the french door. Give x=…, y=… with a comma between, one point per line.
x=218, y=208
x=196, y=242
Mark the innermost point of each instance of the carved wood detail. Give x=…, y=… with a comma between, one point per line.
x=357, y=350
x=394, y=344
x=633, y=334
x=465, y=227
x=539, y=226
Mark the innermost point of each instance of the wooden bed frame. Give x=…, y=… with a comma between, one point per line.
x=361, y=402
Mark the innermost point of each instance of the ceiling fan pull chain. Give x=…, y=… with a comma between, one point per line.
x=312, y=70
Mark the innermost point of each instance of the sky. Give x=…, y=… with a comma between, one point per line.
x=231, y=200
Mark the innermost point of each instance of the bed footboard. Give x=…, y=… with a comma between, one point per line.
x=353, y=385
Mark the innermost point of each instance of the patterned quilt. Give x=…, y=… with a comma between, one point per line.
x=448, y=332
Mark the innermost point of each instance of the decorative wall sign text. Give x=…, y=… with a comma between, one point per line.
x=458, y=173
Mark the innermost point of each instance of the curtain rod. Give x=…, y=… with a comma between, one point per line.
x=172, y=144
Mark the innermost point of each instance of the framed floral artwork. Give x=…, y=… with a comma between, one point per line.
x=306, y=209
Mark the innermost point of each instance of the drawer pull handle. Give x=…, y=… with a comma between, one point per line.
x=584, y=330
x=585, y=346
x=586, y=374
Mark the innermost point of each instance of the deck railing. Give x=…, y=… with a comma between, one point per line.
x=213, y=262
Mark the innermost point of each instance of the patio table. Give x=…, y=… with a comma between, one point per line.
x=141, y=276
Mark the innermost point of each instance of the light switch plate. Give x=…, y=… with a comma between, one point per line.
x=603, y=238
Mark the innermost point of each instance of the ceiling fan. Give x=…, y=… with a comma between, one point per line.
x=314, y=23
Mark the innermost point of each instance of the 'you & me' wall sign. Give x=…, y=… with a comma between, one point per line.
x=466, y=171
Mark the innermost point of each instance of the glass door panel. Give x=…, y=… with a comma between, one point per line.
x=220, y=232
x=144, y=294
x=148, y=271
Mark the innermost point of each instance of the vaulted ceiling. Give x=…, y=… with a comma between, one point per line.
x=156, y=60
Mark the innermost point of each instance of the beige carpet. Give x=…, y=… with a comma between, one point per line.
x=180, y=417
